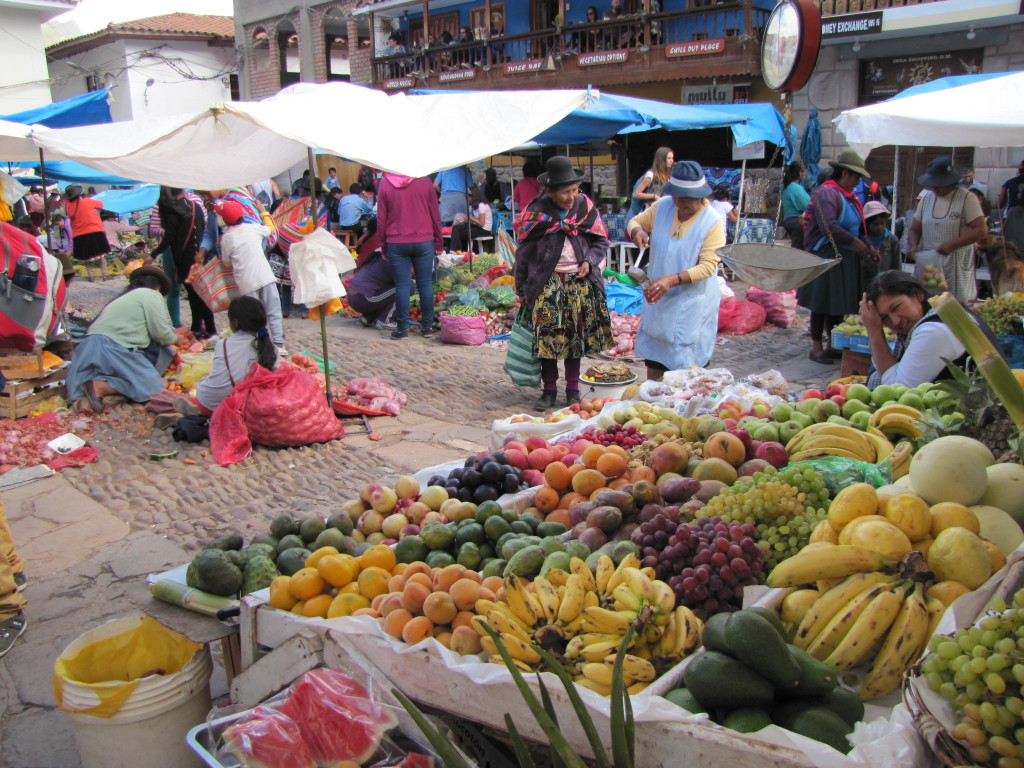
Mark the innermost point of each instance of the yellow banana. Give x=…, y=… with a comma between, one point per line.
x=832, y=602
x=900, y=459
x=547, y=596
x=669, y=639
x=690, y=631
x=490, y=648
x=827, y=431
x=829, y=442
x=591, y=599
x=638, y=583
x=870, y=627
x=605, y=568
x=598, y=651
x=626, y=600
x=635, y=688
x=597, y=672
x=558, y=577
x=572, y=601
x=634, y=667
x=597, y=619
x=664, y=599
x=893, y=409
x=831, y=562
x=880, y=442
x=604, y=690
x=936, y=608
x=522, y=666
x=900, y=425
x=519, y=600
x=903, y=644
x=815, y=454
x=579, y=568
x=502, y=624
x=649, y=572
x=803, y=434
x=822, y=646
x=483, y=605
x=629, y=562
x=517, y=649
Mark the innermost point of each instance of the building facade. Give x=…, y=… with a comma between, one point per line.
x=24, y=79
x=155, y=66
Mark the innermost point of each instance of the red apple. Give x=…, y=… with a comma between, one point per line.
x=580, y=445
x=833, y=389
x=559, y=449
x=512, y=444
x=774, y=453
x=730, y=423
x=729, y=411
x=760, y=408
x=813, y=393
x=839, y=400
x=517, y=458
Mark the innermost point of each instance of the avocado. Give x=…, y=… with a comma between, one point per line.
x=341, y=521
x=439, y=559
x=717, y=680
x=216, y=573
x=713, y=636
x=495, y=527
x=469, y=531
x=290, y=541
x=682, y=697
x=844, y=703
x=521, y=526
x=772, y=617
x=526, y=562
x=550, y=545
x=494, y=567
x=816, y=679
x=292, y=560
x=410, y=549
x=469, y=556
x=577, y=549
x=531, y=520
x=558, y=560
x=753, y=639
x=822, y=725
x=747, y=719
x=310, y=528
x=550, y=529
x=510, y=547
x=283, y=524
x=227, y=541
x=329, y=537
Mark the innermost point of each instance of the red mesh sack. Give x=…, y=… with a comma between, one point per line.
x=780, y=308
x=280, y=409
x=743, y=317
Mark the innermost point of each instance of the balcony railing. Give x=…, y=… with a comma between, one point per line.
x=836, y=7
x=728, y=32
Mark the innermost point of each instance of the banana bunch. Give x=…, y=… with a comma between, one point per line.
x=816, y=563
x=827, y=439
x=581, y=617
x=870, y=617
x=897, y=419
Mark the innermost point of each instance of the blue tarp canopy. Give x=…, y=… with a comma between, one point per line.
x=125, y=201
x=74, y=173
x=87, y=109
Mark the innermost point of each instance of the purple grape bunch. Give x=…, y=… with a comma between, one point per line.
x=616, y=434
x=706, y=562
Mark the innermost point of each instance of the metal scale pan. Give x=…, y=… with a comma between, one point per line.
x=773, y=267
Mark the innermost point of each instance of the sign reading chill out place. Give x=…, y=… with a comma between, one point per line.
x=695, y=48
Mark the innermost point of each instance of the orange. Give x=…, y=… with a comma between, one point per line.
x=417, y=629
x=306, y=583
x=556, y=475
x=546, y=499
x=378, y=556
x=280, y=594
x=558, y=516
x=314, y=559
x=338, y=570
x=317, y=606
x=373, y=581
x=352, y=588
x=346, y=605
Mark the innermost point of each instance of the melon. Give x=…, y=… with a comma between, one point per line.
x=998, y=527
x=969, y=444
x=1005, y=490
x=947, y=470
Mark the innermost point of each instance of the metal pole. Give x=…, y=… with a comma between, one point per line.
x=42, y=179
x=739, y=201
x=323, y=315
x=895, y=185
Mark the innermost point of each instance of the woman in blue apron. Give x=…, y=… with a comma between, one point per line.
x=679, y=321
x=835, y=229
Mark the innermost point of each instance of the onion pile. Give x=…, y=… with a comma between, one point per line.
x=498, y=323
x=624, y=328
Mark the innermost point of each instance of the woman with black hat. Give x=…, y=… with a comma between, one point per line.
x=948, y=220
x=127, y=348
x=679, y=321
x=88, y=237
x=836, y=229
x=562, y=243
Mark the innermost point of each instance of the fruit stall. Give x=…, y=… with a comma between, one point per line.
x=703, y=569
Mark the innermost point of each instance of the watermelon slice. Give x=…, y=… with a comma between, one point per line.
x=268, y=740
x=337, y=716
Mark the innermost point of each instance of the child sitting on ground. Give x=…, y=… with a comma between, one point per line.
x=232, y=358
x=241, y=249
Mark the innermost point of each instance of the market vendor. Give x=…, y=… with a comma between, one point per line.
x=372, y=292
x=923, y=342
x=679, y=322
x=127, y=348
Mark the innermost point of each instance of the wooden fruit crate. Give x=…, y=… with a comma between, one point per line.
x=24, y=373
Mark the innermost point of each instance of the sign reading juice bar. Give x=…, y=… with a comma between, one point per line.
x=881, y=78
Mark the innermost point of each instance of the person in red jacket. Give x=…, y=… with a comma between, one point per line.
x=409, y=227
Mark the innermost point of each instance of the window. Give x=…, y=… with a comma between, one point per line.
x=478, y=18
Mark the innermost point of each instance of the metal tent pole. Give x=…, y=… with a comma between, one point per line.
x=323, y=315
x=42, y=178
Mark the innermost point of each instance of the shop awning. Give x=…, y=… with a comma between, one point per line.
x=88, y=109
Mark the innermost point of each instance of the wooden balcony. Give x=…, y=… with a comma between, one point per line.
x=837, y=7
x=723, y=39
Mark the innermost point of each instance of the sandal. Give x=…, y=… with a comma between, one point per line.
x=822, y=358
x=835, y=354
x=10, y=630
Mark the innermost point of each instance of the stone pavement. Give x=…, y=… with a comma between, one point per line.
x=91, y=535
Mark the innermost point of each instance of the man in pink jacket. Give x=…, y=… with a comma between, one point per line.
x=409, y=227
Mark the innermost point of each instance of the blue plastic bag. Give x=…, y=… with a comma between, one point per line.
x=624, y=299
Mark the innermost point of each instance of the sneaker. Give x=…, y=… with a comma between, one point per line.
x=282, y=352
x=20, y=581
x=545, y=401
x=364, y=321
x=428, y=333
x=398, y=335
x=10, y=630
x=165, y=420
x=382, y=326
x=572, y=396
x=185, y=406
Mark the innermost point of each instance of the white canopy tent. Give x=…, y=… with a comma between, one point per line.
x=983, y=114
x=242, y=142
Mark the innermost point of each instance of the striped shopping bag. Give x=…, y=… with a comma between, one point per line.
x=506, y=246
x=215, y=283
x=520, y=364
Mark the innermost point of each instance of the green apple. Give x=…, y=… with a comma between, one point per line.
x=807, y=406
x=767, y=433
x=839, y=420
x=900, y=389
x=824, y=409
x=781, y=412
x=911, y=398
x=934, y=398
x=788, y=430
x=858, y=392
x=803, y=419
x=882, y=394
x=851, y=407
x=924, y=386
x=861, y=420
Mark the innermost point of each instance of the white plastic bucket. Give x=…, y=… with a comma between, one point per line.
x=151, y=726
x=604, y=390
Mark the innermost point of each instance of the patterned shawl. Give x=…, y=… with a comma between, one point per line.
x=584, y=218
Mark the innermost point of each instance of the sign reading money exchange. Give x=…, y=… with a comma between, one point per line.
x=851, y=24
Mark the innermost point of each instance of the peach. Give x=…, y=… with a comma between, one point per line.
x=535, y=443
x=580, y=445
x=416, y=629
x=440, y=608
x=540, y=458
x=517, y=458
x=465, y=641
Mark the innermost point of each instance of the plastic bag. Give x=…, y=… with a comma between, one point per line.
x=196, y=367
x=739, y=317
x=930, y=270
x=282, y=408
x=839, y=472
x=111, y=660
x=779, y=307
x=317, y=262
x=459, y=329
x=503, y=430
x=624, y=299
